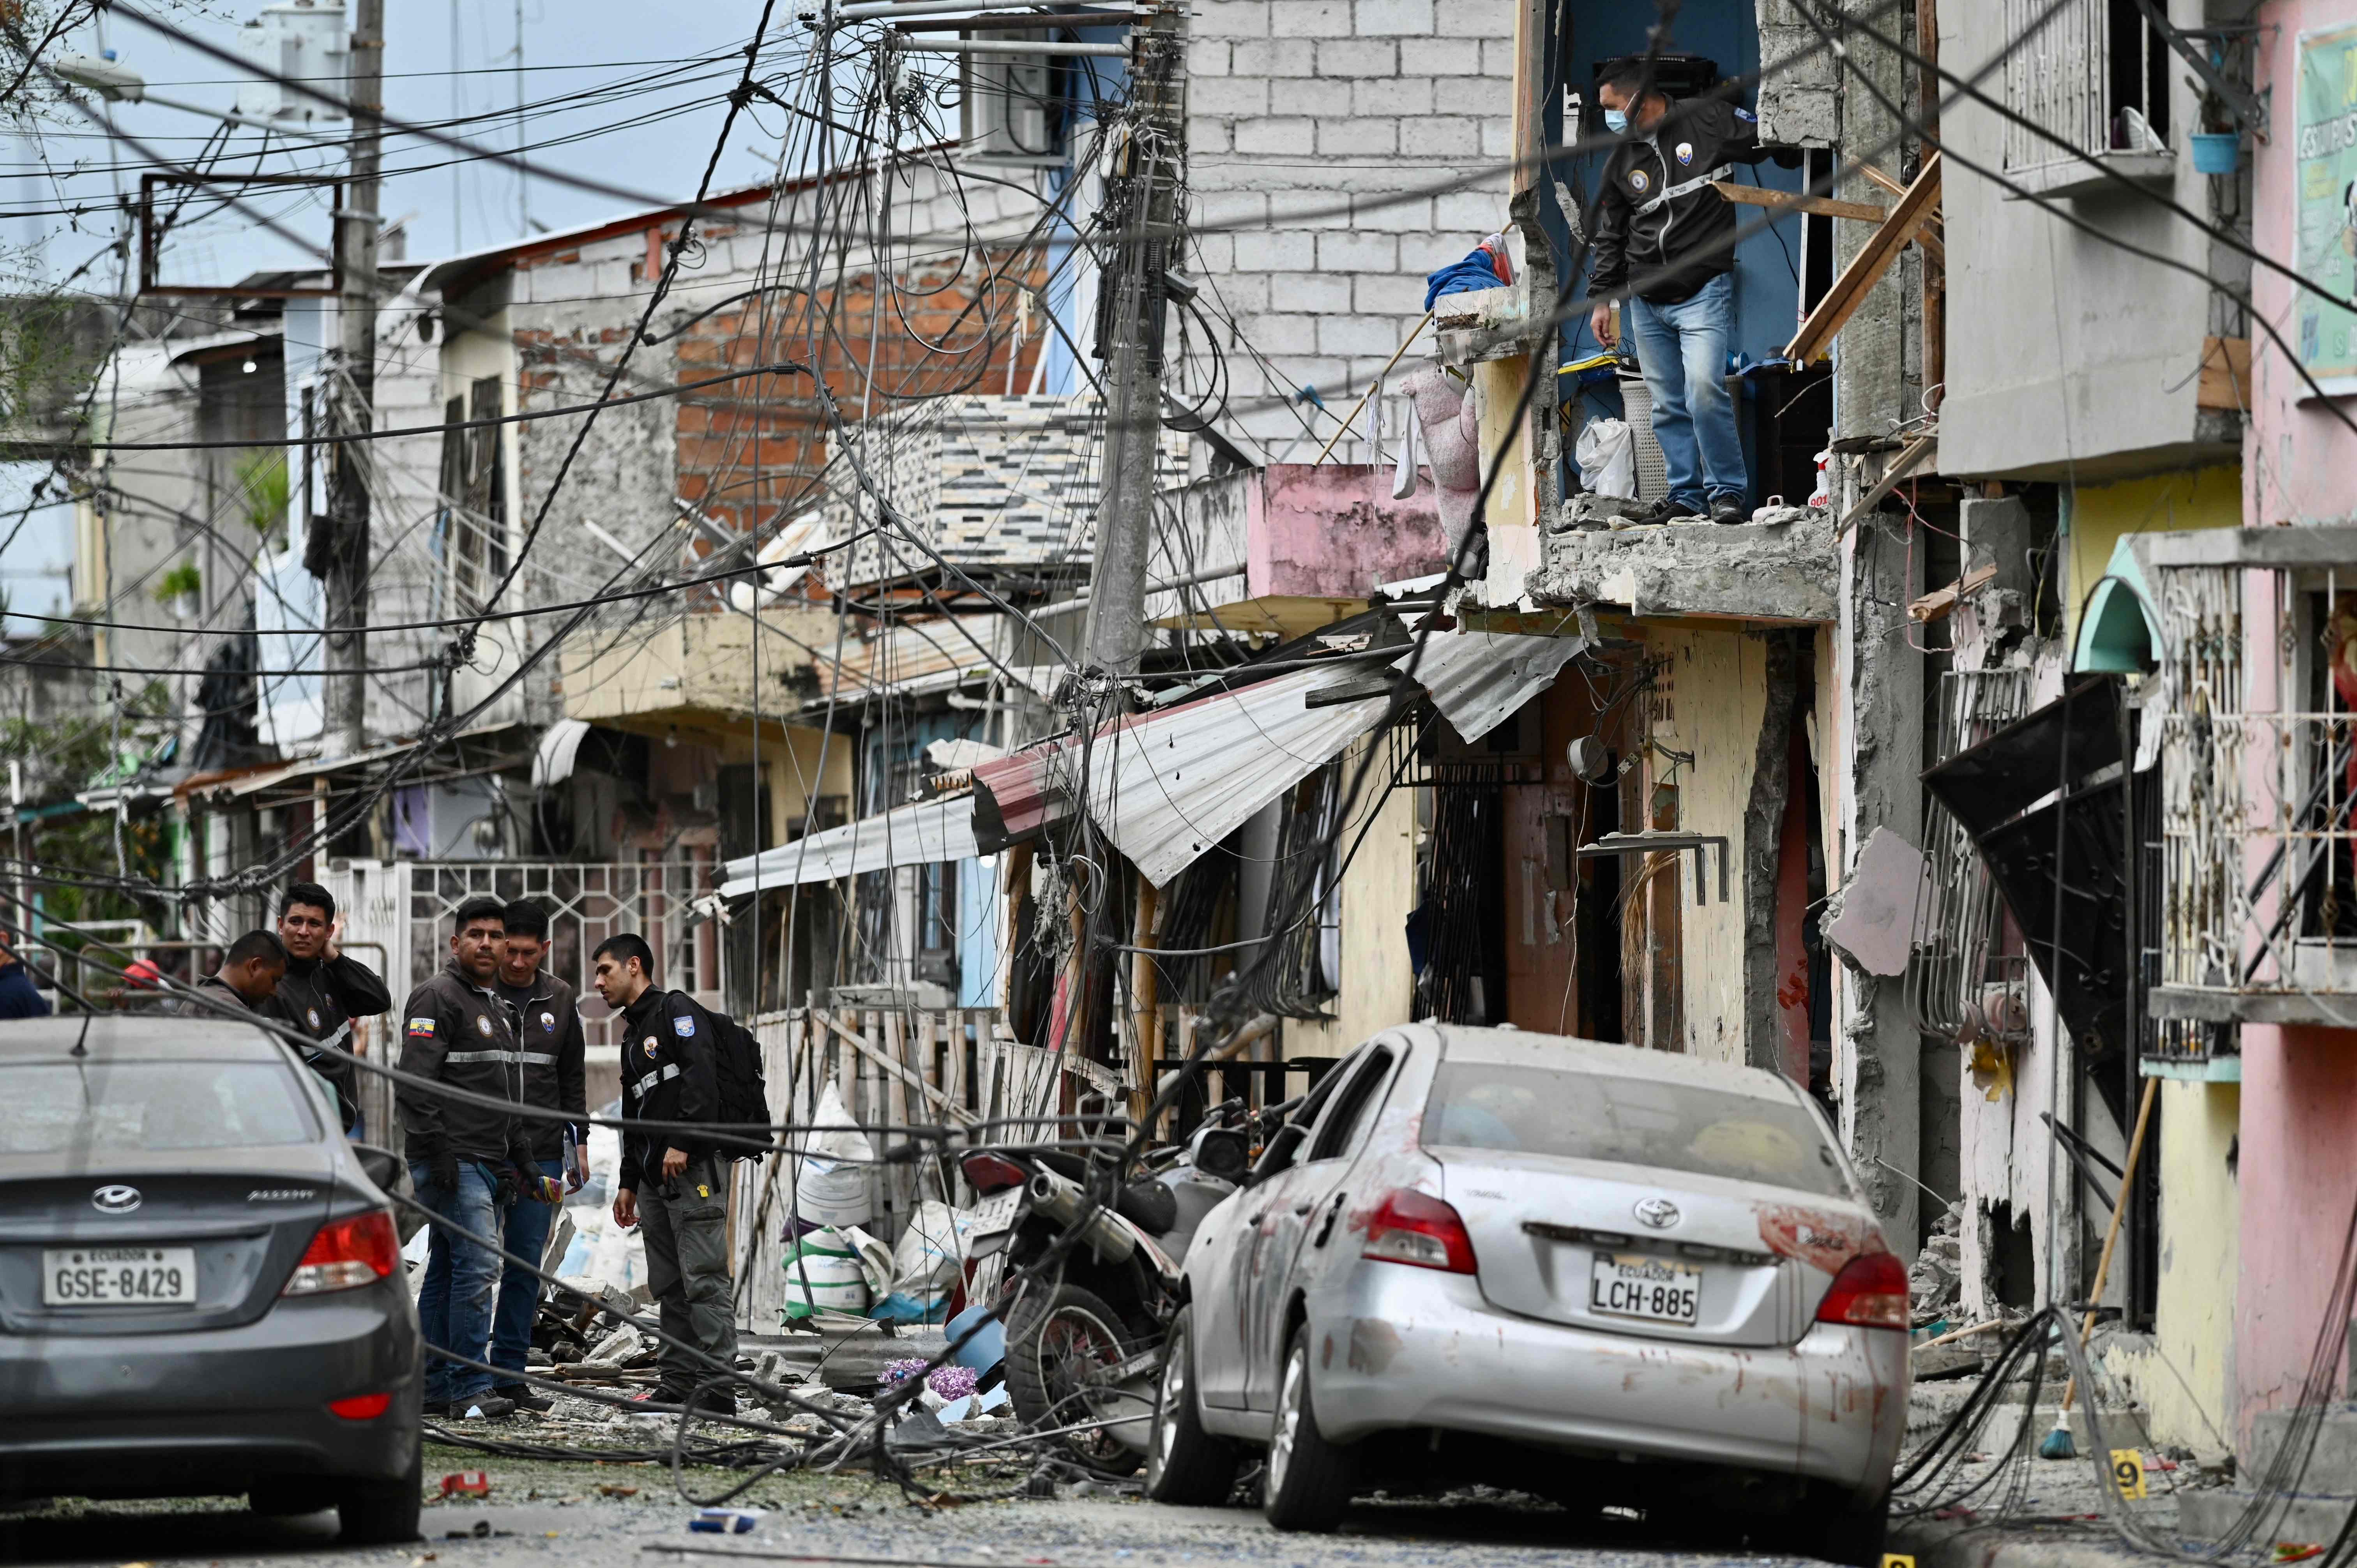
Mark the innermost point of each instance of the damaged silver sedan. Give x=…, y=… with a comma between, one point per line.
x=1610, y=1276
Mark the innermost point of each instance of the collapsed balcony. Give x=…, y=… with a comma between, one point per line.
x=1781, y=567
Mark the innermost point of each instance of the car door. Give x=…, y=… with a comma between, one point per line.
x=1224, y=1283
x=1300, y=1215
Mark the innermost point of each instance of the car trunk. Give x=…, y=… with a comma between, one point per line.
x=246, y=1215
x=1541, y=1223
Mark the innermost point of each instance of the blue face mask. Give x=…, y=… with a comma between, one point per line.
x=1616, y=121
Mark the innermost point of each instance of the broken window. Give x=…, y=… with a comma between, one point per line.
x=471, y=521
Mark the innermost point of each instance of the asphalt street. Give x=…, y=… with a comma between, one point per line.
x=608, y=1516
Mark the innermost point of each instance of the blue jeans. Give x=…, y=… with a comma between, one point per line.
x=529, y=1224
x=1683, y=351
x=453, y=1308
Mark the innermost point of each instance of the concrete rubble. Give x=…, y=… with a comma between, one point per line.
x=1780, y=566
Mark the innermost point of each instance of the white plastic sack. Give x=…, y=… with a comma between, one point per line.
x=927, y=1264
x=824, y=1272
x=830, y=1180
x=1607, y=451
x=875, y=1261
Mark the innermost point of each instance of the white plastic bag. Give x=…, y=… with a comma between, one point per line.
x=1403, y=472
x=1607, y=451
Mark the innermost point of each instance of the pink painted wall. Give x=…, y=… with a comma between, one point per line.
x=2300, y=1123
x=2296, y=455
x=1332, y=530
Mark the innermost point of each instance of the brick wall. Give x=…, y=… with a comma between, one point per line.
x=1307, y=121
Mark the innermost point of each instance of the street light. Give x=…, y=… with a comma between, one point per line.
x=120, y=85
x=116, y=83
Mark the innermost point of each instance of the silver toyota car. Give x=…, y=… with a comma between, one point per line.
x=200, y=1280
x=1612, y=1277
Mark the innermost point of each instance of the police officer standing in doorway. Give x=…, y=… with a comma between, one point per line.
x=671, y=1185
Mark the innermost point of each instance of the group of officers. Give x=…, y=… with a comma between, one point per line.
x=495, y=1131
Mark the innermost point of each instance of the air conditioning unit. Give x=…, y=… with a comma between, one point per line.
x=1011, y=106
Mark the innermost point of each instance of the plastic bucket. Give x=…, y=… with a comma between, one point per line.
x=2217, y=152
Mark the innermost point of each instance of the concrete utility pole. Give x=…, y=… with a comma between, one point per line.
x=339, y=553
x=1141, y=204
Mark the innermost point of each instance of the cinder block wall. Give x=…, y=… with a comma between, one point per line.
x=1309, y=124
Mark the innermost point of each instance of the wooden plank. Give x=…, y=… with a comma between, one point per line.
x=1910, y=457
x=2225, y=383
x=1941, y=603
x=1788, y=201
x=901, y=1073
x=1866, y=269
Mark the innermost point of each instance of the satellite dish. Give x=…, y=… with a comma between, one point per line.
x=1588, y=759
x=805, y=532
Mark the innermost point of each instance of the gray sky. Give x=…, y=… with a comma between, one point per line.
x=569, y=47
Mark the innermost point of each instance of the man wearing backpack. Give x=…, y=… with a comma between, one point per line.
x=672, y=1184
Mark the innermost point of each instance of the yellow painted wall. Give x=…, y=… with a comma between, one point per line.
x=791, y=758
x=2100, y=515
x=1378, y=893
x=1712, y=698
x=2185, y=1382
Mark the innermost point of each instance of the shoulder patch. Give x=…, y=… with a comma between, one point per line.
x=1747, y=116
x=421, y=1026
x=683, y=1027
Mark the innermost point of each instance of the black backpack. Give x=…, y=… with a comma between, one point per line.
x=737, y=1070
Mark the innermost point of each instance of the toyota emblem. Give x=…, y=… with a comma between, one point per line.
x=115, y=1199
x=1658, y=1212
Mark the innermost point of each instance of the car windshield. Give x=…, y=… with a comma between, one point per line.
x=127, y=1107
x=1630, y=1121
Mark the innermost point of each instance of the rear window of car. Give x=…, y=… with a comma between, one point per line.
x=118, y=1107
x=1633, y=1122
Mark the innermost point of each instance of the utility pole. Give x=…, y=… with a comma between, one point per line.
x=1141, y=205
x=339, y=553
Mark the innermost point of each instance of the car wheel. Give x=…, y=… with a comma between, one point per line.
x=1308, y=1484
x=1055, y=1339
x=377, y=1513
x=1849, y=1535
x=1185, y=1464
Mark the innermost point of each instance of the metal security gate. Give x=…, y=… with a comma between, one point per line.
x=586, y=903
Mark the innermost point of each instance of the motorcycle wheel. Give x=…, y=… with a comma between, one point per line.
x=1054, y=1339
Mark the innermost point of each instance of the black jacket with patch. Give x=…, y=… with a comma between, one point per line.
x=667, y=1076
x=1655, y=208
x=321, y=997
x=458, y=1033
x=553, y=1053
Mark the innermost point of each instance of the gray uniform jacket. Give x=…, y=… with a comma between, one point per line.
x=460, y=1034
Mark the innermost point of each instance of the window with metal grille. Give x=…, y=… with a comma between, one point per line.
x=2094, y=77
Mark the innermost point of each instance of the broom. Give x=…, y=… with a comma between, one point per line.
x=2058, y=1443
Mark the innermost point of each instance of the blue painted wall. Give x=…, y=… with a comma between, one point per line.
x=1766, y=282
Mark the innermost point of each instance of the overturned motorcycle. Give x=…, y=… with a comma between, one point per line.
x=1084, y=1337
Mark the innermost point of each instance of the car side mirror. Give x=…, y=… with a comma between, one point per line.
x=382, y=1165
x=1278, y=1154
